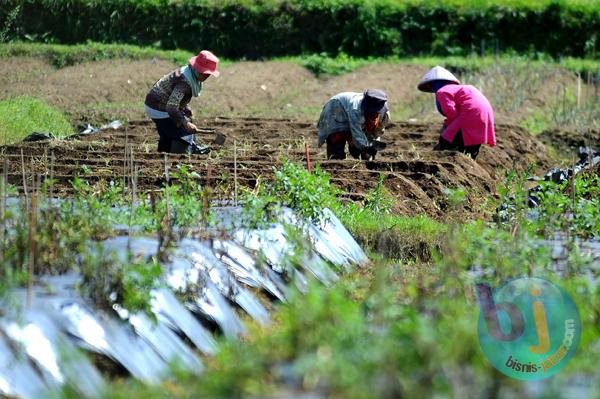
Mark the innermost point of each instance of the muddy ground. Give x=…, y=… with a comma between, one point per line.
x=417, y=176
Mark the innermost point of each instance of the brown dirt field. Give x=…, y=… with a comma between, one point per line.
x=413, y=173
x=106, y=90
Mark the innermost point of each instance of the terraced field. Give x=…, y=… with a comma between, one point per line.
x=417, y=176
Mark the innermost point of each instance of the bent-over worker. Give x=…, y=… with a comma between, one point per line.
x=356, y=119
x=167, y=104
x=469, y=115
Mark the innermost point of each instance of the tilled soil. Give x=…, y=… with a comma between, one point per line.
x=417, y=176
x=567, y=142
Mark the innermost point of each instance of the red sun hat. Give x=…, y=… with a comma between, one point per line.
x=205, y=62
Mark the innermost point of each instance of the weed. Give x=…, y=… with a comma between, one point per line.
x=108, y=280
x=379, y=200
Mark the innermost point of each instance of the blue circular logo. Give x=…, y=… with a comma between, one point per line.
x=529, y=328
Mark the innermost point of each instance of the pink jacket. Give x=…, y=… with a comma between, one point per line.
x=467, y=109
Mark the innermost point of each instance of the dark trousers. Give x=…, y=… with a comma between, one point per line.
x=173, y=139
x=458, y=144
x=336, y=146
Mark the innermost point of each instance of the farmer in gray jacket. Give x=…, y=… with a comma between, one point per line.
x=357, y=119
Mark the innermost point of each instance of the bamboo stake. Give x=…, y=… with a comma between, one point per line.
x=125, y=165
x=132, y=166
x=168, y=214
x=24, y=179
x=308, y=166
x=208, y=174
x=52, y=160
x=32, y=244
x=578, y=90
x=166, y=167
x=3, y=208
x=132, y=206
x=235, y=182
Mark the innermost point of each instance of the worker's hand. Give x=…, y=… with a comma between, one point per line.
x=190, y=127
x=378, y=145
x=187, y=112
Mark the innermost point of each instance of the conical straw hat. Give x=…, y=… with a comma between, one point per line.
x=436, y=73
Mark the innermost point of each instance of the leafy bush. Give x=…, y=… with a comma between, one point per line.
x=258, y=28
x=323, y=64
x=307, y=193
x=570, y=207
x=108, y=280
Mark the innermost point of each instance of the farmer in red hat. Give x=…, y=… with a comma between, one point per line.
x=167, y=104
x=356, y=119
x=469, y=115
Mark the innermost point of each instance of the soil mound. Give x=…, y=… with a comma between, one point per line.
x=417, y=176
x=567, y=142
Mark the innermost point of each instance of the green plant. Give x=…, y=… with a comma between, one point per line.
x=323, y=64
x=308, y=193
x=109, y=280
x=569, y=207
x=379, y=200
x=8, y=23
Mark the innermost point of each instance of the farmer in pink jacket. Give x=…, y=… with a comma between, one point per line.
x=469, y=115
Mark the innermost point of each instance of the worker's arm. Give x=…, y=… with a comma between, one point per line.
x=187, y=111
x=447, y=103
x=359, y=138
x=174, y=104
x=384, y=121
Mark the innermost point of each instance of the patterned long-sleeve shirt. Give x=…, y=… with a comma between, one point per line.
x=171, y=94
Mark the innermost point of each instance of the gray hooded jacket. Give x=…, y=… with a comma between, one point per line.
x=343, y=113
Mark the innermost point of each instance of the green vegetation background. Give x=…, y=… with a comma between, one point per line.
x=267, y=28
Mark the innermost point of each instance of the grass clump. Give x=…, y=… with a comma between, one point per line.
x=62, y=55
x=21, y=116
x=324, y=64
x=376, y=228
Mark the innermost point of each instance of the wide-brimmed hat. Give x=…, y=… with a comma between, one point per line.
x=436, y=73
x=375, y=101
x=205, y=62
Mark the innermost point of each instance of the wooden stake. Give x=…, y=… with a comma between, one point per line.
x=24, y=179
x=308, y=166
x=235, y=182
x=52, y=159
x=168, y=210
x=166, y=168
x=3, y=208
x=578, y=90
x=32, y=239
x=208, y=174
x=125, y=165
